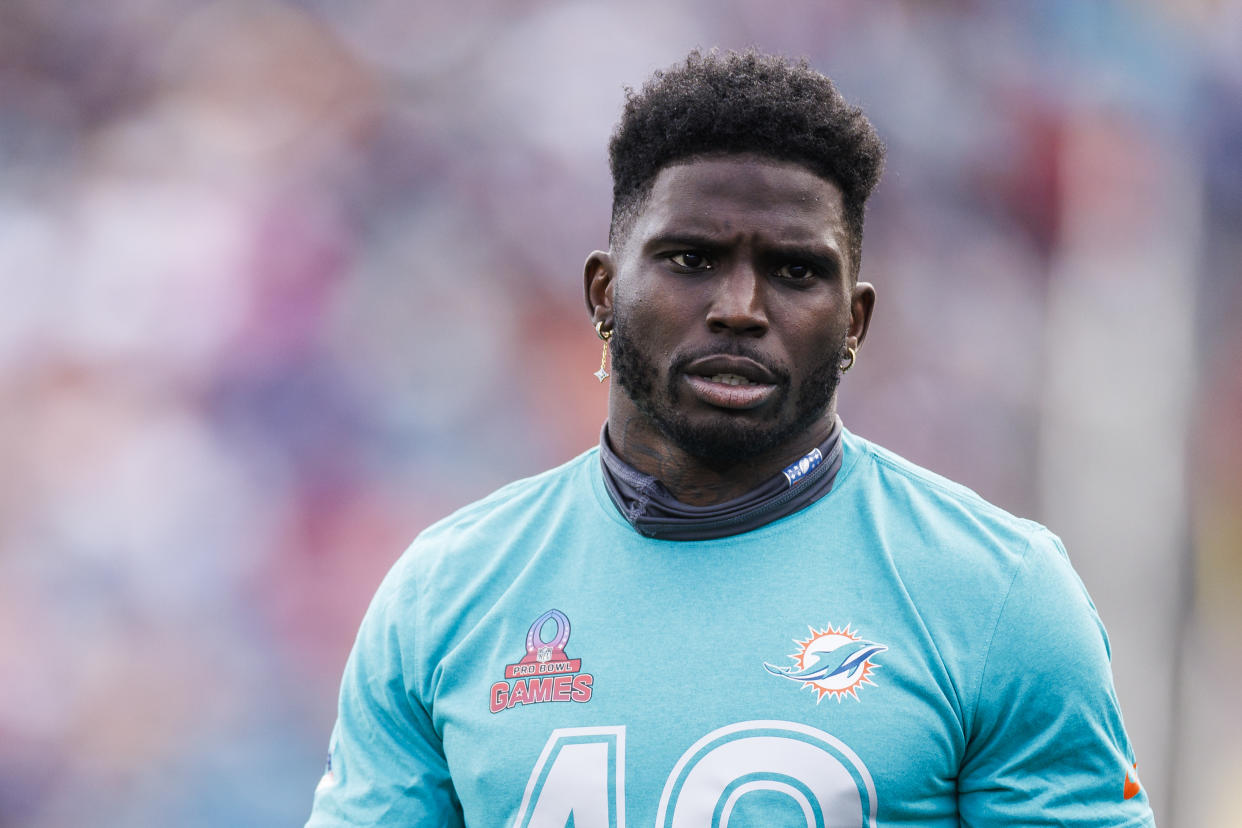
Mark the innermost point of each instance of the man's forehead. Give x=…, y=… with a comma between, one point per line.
x=715, y=193
x=712, y=172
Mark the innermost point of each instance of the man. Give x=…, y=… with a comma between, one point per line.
x=609, y=643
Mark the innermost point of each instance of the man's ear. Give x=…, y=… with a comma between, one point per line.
x=597, y=278
x=862, y=303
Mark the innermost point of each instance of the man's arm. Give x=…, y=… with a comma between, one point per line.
x=1047, y=745
x=386, y=761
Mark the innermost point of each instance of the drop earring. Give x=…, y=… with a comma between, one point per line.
x=602, y=373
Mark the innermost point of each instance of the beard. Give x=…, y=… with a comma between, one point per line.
x=728, y=439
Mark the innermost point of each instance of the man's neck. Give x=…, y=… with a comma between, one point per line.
x=692, y=480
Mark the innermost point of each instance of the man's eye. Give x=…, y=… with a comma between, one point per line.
x=795, y=272
x=690, y=260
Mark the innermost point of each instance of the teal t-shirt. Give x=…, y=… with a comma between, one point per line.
x=900, y=652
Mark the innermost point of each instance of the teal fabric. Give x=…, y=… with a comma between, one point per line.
x=971, y=684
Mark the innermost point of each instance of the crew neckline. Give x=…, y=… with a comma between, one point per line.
x=646, y=505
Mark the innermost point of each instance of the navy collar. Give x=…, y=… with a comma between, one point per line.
x=652, y=510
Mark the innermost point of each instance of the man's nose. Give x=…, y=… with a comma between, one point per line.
x=737, y=304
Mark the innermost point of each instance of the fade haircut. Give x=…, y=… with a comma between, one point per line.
x=742, y=102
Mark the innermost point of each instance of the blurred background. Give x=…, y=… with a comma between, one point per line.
x=282, y=283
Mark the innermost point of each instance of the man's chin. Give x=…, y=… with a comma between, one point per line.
x=721, y=445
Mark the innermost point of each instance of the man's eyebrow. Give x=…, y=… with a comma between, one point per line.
x=824, y=254
x=679, y=238
x=820, y=254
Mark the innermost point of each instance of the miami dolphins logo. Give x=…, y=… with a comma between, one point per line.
x=831, y=662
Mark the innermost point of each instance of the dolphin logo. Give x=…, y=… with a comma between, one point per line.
x=844, y=660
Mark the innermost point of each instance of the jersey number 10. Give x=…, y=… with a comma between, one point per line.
x=581, y=772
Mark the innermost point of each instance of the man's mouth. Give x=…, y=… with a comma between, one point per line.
x=730, y=379
x=730, y=391
x=732, y=382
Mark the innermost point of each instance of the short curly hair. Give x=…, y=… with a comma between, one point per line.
x=743, y=102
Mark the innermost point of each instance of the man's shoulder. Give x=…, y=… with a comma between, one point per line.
x=511, y=511
x=938, y=502
x=478, y=538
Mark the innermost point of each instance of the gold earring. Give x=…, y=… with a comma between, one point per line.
x=602, y=373
x=847, y=366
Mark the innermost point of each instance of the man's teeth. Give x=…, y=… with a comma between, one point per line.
x=730, y=379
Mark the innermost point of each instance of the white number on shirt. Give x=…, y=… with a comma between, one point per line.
x=581, y=771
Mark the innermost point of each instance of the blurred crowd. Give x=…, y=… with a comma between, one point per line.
x=281, y=283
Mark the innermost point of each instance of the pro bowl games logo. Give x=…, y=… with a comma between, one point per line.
x=545, y=673
x=831, y=662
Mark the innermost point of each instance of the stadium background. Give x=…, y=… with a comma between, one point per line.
x=281, y=283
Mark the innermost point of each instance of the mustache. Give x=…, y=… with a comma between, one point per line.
x=733, y=348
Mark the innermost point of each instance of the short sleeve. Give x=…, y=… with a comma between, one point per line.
x=1047, y=745
x=386, y=763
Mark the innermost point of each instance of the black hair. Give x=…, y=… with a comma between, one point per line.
x=743, y=102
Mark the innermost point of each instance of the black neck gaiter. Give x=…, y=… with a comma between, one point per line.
x=653, y=511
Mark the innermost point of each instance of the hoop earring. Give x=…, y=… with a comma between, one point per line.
x=602, y=373
x=847, y=366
